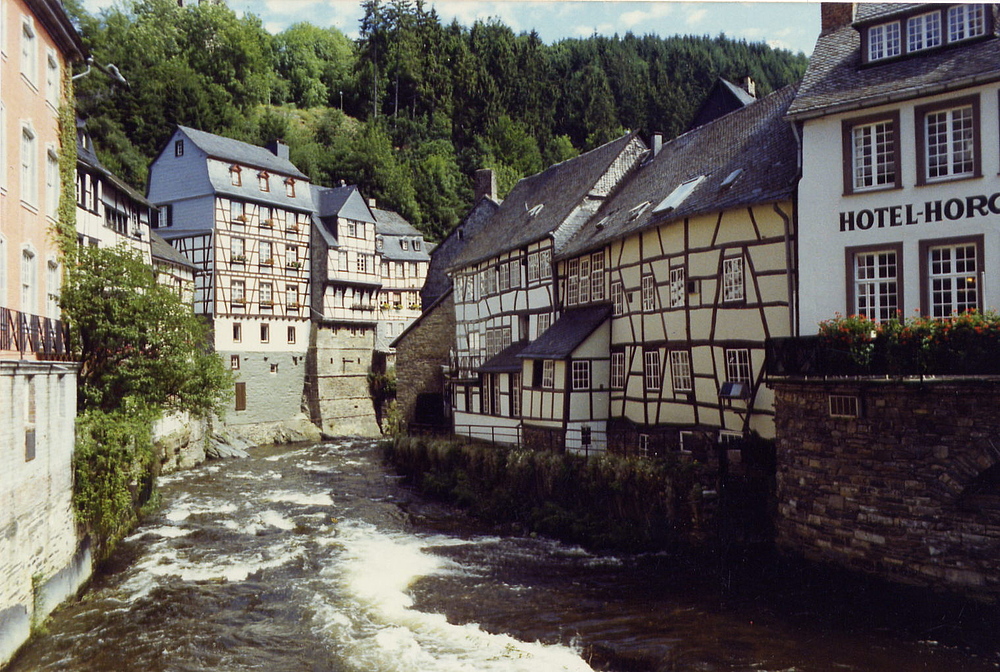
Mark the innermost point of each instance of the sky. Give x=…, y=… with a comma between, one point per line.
x=785, y=25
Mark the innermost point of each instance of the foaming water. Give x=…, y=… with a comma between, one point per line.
x=313, y=558
x=381, y=629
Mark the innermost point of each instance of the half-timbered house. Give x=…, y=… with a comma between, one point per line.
x=693, y=258
x=346, y=280
x=503, y=282
x=242, y=215
x=404, y=257
x=108, y=211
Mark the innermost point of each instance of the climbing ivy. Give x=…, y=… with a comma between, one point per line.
x=65, y=228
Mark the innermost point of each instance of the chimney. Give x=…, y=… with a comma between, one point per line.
x=750, y=86
x=486, y=184
x=371, y=203
x=834, y=15
x=279, y=149
x=657, y=141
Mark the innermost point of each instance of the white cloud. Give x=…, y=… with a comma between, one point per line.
x=695, y=16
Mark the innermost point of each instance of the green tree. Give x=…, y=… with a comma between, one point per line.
x=317, y=64
x=140, y=347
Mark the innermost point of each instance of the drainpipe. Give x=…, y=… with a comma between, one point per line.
x=791, y=229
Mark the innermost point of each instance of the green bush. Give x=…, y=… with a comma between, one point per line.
x=606, y=502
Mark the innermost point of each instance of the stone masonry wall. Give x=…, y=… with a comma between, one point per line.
x=420, y=354
x=43, y=560
x=337, y=382
x=908, y=490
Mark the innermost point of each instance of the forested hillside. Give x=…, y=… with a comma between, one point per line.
x=410, y=109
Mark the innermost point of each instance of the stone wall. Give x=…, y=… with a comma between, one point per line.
x=339, y=359
x=420, y=354
x=909, y=489
x=43, y=560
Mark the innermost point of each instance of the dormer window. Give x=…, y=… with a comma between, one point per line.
x=235, y=176
x=416, y=245
x=925, y=30
x=965, y=21
x=290, y=188
x=378, y=243
x=883, y=41
x=404, y=244
x=264, y=181
x=178, y=148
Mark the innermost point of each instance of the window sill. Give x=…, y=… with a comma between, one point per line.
x=930, y=182
x=872, y=190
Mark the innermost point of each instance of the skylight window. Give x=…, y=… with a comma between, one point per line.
x=637, y=210
x=677, y=196
x=534, y=210
x=732, y=177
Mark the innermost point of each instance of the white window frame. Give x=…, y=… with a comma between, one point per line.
x=965, y=21
x=29, y=280
x=237, y=249
x=533, y=268
x=739, y=368
x=584, y=283
x=618, y=297
x=29, y=165
x=678, y=289
x=873, y=155
x=266, y=294
x=29, y=50
x=573, y=282
x=239, y=291
x=545, y=264
x=544, y=321
x=652, y=376
x=876, y=275
x=956, y=143
x=884, y=41
x=597, y=276
x=952, y=278
x=680, y=371
x=292, y=295
x=733, y=279
x=924, y=32
x=53, y=78
x=548, y=374
x=617, y=370
x=580, y=375
x=648, y=293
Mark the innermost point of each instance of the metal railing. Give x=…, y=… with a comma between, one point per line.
x=43, y=337
x=581, y=441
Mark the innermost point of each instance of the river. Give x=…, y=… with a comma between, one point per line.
x=315, y=559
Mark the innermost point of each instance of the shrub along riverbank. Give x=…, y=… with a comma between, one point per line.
x=608, y=502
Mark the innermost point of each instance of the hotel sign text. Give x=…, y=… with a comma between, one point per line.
x=930, y=212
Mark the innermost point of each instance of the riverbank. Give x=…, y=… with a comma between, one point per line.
x=672, y=514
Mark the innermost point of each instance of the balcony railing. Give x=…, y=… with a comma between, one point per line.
x=43, y=337
x=815, y=356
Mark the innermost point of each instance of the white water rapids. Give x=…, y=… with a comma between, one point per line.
x=315, y=559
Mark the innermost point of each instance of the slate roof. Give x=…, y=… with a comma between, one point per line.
x=329, y=203
x=755, y=140
x=161, y=249
x=835, y=80
x=560, y=189
x=391, y=223
x=393, y=228
x=243, y=153
x=569, y=331
x=442, y=257
x=506, y=360
x=723, y=98
x=86, y=155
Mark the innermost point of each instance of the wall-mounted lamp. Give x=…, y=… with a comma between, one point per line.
x=111, y=70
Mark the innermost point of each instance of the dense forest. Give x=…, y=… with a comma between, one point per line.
x=410, y=109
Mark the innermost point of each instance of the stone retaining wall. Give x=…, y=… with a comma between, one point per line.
x=909, y=489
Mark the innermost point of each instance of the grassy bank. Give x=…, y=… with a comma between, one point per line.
x=607, y=502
